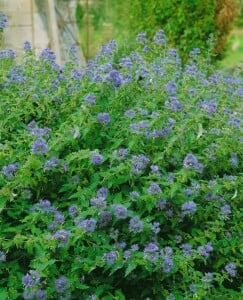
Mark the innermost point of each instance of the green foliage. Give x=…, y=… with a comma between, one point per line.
x=120, y=181
x=80, y=15
x=189, y=24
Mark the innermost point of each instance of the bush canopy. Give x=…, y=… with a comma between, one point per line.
x=122, y=180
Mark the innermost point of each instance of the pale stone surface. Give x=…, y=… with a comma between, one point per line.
x=16, y=6
x=44, y=23
x=20, y=19
x=40, y=39
x=67, y=28
x=12, y=38
x=20, y=23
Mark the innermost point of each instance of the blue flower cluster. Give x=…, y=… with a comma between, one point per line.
x=191, y=162
x=32, y=286
x=3, y=21
x=40, y=145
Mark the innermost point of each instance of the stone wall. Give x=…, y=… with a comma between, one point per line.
x=44, y=23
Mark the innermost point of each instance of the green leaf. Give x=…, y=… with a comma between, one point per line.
x=120, y=295
x=132, y=266
x=200, y=131
x=108, y=297
x=2, y=203
x=3, y=294
x=116, y=267
x=82, y=286
x=235, y=194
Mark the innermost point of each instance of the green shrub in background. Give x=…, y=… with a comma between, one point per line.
x=120, y=181
x=92, y=19
x=189, y=24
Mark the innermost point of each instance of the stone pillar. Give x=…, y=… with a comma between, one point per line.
x=67, y=28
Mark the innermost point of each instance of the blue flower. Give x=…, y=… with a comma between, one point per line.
x=62, y=284
x=127, y=254
x=105, y=218
x=9, y=170
x=27, y=46
x=120, y=245
x=135, y=225
x=97, y=159
x=45, y=206
x=141, y=38
x=155, y=228
x=209, y=105
x=104, y=118
x=134, y=247
x=40, y=146
x=159, y=37
x=31, y=279
x=205, y=250
x=231, y=269
x=73, y=209
x=146, y=48
x=134, y=195
x=47, y=55
x=188, y=191
x=151, y=252
x=62, y=236
x=171, y=87
x=139, y=163
x=191, y=162
x=88, y=225
x=3, y=21
x=28, y=294
x=52, y=163
x=236, y=122
x=208, y=277
x=189, y=207
x=125, y=62
x=187, y=249
x=9, y=53
x=194, y=52
x=90, y=98
x=120, y=211
x=120, y=154
x=98, y=202
x=111, y=257
x=161, y=204
x=77, y=75
x=130, y=113
x=173, y=104
x=102, y=193
x=41, y=295
x=234, y=159
x=139, y=127
x=170, y=177
x=114, y=78
x=167, y=264
x=91, y=297
x=225, y=209
x=59, y=218
x=2, y=256
x=154, y=189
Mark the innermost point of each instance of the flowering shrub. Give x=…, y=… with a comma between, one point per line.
x=122, y=180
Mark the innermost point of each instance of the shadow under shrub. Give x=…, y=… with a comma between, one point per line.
x=120, y=181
